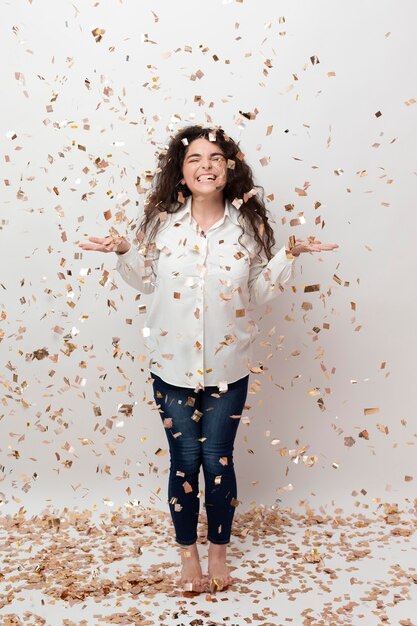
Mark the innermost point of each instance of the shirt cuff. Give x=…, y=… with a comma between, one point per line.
x=127, y=256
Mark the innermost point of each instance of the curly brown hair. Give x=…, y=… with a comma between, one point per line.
x=168, y=194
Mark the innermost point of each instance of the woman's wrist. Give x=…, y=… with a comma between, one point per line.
x=121, y=252
x=290, y=253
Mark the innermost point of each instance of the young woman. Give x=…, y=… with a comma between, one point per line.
x=206, y=252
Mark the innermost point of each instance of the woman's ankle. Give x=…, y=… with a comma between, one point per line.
x=217, y=549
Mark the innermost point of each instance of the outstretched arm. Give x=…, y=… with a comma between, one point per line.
x=265, y=277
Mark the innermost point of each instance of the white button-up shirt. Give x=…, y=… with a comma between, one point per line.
x=198, y=330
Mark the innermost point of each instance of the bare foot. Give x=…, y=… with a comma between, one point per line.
x=192, y=578
x=219, y=573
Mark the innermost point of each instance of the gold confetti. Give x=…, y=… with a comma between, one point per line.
x=98, y=34
x=371, y=411
x=196, y=416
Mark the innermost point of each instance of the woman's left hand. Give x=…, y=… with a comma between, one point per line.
x=311, y=245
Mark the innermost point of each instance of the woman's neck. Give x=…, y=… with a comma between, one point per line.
x=207, y=208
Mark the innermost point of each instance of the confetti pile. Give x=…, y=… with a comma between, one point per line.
x=276, y=557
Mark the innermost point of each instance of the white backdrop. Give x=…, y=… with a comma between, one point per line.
x=332, y=90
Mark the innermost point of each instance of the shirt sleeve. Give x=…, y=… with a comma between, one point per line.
x=138, y=270
x=266, y=276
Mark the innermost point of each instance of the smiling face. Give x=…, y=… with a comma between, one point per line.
x=204, y=169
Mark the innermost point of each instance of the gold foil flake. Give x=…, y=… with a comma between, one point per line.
x=249, y=115
x=311, y=288
x=249, y=194
x=269, y=130
x=313, y=556
x=167, y=420
x=179, y=473
x=223, y=460
x=98, y=34
x=198, y=345
x=297, y=221
x=240, y=312
x=196, y=416
x=190, y=401
x=218, y=480
x=237, y=203
x=40, y=354
x=177, y=295
x=371, y=411
x=184, y=141
x=187, y=487
x=231, y=164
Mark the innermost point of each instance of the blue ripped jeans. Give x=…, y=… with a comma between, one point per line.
x=201, y=430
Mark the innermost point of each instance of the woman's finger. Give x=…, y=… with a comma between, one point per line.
x=97, y=239
x=95, y=247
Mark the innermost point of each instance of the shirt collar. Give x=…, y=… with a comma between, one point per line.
x=229, y=211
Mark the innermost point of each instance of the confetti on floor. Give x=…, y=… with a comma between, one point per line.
x=302, y=568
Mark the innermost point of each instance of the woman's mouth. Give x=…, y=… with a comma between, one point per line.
x=206, y=178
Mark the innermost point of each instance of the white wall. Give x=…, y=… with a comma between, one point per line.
x=140, y=92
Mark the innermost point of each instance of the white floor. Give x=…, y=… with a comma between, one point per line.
x=75, y=568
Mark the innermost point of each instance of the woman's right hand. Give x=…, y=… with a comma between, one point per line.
x=107, y=244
